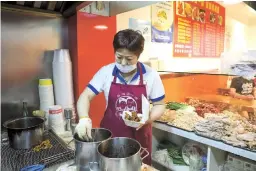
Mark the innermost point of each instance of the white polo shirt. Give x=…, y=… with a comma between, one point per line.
x=102, y=80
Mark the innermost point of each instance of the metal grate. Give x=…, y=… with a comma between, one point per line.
x=13, y=160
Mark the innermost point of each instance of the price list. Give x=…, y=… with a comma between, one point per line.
x=184, y=35
x=210, y=41
x=196, y=39
x=199, y=29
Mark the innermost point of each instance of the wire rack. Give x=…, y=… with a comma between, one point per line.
x=13, y=160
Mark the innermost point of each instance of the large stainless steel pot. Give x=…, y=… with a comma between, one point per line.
x=86, y=152
x=121, y=154
x=26, y=132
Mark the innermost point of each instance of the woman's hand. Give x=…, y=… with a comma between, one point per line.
x=83, y=129
x=156, y=112
x=149, y=121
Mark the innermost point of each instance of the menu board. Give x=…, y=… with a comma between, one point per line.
x=199, y=29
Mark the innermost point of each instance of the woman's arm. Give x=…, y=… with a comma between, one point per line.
x=157, y=110
x=83, y=103
x=239, y=96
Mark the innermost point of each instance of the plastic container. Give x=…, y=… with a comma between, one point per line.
x=46, y=96
x=132, y=123
x=56, y=119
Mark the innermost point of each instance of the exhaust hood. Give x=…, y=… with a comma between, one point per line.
x=68, y=8
x=112, y=8
x=47, y=8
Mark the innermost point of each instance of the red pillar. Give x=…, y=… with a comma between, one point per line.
x=90, y=49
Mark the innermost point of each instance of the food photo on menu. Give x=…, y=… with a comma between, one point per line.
x=180, y=9
x=220, y=20
x=212, y=17
x=195, y=14
x=188, y=10
x=202, y=15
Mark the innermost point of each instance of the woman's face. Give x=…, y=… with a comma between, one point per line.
x=125, y=57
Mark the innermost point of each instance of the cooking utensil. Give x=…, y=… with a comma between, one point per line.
x=25, y=132
x=121, y=154
x=25, y=109
x=86, y=152
x=68, y=112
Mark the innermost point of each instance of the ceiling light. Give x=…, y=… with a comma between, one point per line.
x=101, y=27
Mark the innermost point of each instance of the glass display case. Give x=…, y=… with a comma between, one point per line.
x=202, y=103
x=200, y=108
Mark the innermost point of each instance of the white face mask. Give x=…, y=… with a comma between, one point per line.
x=126, y=68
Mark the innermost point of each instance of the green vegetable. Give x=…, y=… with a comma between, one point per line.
x=175, y=105
x=175, y=154
x=178, y=161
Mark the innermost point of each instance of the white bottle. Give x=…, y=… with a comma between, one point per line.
x=46, y=96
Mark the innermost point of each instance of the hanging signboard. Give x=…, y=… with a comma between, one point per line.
x=199, y=29
x=162, y=22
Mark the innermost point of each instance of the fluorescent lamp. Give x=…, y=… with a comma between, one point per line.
x=101, y=27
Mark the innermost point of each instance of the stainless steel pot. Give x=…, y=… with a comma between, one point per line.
x=121, y=154
x=86, y=152
x=26, y=132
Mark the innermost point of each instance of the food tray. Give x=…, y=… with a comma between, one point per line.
x=179, y=128
x=163, y=122
x=207, y=137
x=248, y=149
x=131, y=123
x=13, y=160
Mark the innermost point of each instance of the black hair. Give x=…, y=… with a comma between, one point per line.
x=129, y=39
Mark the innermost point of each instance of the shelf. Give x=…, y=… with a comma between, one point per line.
x=173, y=168
x=217, y=144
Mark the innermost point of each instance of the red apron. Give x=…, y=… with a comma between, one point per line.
x=123, y=97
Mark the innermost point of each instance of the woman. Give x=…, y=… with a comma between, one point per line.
x=123, y=84
x=243, y=87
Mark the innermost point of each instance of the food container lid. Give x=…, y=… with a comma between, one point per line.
x=45, y=82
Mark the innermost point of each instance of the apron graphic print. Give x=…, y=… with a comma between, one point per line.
x=125, y=102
